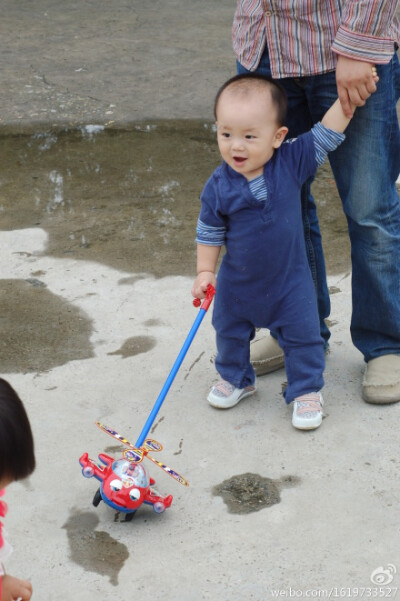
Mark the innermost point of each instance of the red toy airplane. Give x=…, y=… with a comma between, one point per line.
x=125, y=482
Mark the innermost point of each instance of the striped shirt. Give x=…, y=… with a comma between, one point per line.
x=304, y=36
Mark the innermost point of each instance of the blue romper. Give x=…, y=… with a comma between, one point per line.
x=264, y=280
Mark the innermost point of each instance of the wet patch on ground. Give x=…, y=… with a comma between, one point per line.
x=155, y=426
x=180, y=447
x=114, y=450
x=247, y=493
x=129, y=199
x=94, y=550
x=193, y=364
x=135, y=346
x=131, y=280
x=154, y=321
x=39, y=330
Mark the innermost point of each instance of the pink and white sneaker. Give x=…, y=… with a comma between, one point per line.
x=307, y=411
x=224, y=395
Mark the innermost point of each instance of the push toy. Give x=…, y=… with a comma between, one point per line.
x=125, y=483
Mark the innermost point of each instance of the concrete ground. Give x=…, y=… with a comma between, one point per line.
x=334, y=533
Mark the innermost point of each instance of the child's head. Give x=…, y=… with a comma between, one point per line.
x=250, y=111
x=17, y=457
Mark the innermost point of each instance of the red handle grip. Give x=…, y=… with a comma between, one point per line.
x=208, y=299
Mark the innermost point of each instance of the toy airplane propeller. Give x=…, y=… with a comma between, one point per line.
x=136, y=455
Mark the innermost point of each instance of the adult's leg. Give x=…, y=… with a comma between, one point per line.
x=366, y=167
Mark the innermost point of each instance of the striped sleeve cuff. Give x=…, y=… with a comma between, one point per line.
x=363, y=47
x=325, y=140
x=210, y=235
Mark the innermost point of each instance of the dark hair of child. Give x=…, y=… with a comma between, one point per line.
x=17, y=456
x=248, y=81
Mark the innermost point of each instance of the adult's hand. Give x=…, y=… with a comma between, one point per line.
x=355, y=83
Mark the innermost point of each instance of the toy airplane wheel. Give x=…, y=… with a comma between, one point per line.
x=97, y=498
x=159, y=507
x=129, y=516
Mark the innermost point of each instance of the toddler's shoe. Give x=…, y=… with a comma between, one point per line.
x=307, y=411
x=224, y=395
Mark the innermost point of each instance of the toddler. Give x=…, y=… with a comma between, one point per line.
x=251, y=205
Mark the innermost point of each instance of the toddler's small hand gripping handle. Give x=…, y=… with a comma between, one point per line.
x=208, y=299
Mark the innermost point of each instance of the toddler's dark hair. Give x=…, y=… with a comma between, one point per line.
x=17, y=456
x=246, y=81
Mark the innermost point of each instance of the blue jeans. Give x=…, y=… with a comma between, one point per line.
x=365, y=168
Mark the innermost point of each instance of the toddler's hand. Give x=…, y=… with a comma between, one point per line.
x=13, y=589
x=201, y=283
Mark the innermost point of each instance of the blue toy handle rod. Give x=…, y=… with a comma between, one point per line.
x=161, y=397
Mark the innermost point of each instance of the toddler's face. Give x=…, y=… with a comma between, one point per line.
x=247, y=131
